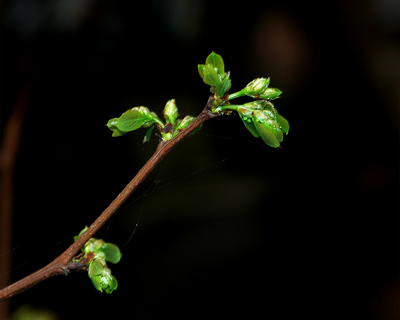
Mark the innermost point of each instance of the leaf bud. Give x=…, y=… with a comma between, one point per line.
x=256, y=86
x=171, y=112
x=270, y=93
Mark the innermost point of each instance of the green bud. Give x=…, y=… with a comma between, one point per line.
x=171, y=112
x=256, y=105
x=185, y=122
x=256, y=86
x=104, y=280
x=270, y=93
x=82, y=232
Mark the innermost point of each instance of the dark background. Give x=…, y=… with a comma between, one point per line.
x=227, y=227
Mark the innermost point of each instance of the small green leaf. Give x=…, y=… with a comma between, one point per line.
x=96, y=268
x=284, y=124
x=249, y=125
x=171, y=112
x=217, y=61
x=113, y=284
x=112, y=125
x=148, y=134
x=223, y=87
x=112, y=252
x=266, y=133
x=277, y=129
x=184, y=122
x=80, y=233
x=210, y=76
x=96, y=282
x=200, y=68
x=133, y=119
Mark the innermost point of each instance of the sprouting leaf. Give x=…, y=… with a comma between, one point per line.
x=148, y=134
x=80, y=233
x=112, y=252
x=266, y=133
x=217, y=61
x=249, y=125
x=210, y=76
x=277, y=129
x=133, y=119
x=184, y=122
x=223, y=87
x=171, y=111
x=200, y=68
x=112, y=125
x=113, y=284
x=96, y=282
x=256, y=86
x=283, y=123
x=96, y=268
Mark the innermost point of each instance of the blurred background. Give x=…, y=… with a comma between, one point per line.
x=226, y=226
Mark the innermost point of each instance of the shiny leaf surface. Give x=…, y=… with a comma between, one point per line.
x=112, y=252
x=133, y=119
x=217, y=61
x=266, y=133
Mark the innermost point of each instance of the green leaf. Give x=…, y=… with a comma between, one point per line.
x=171, y=112
x=148, y=134
x=223, y=87
x=80, y=233
x=284, y=124
x=277, y=129
x=112, y=125
x=184, y=122
x=133, y=119
x=217, y=61
x=210, y=76
x=96, y=268
x=266, y=133
x=249, y=125
x=96, y=282
x=112, y=285
x=200, y=68
x=112, y=252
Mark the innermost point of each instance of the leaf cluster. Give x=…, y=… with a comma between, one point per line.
x=141, y=117
x=213, y=73
x=260, y=117
x=95, y=254
x=262, y=120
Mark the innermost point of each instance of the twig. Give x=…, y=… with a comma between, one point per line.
x=60, y=266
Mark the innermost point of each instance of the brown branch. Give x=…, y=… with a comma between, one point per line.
x=60, y=266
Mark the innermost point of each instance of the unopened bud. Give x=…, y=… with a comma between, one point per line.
x=171, y=111
x=256, y=86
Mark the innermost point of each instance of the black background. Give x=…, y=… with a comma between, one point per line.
x=226, y=225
